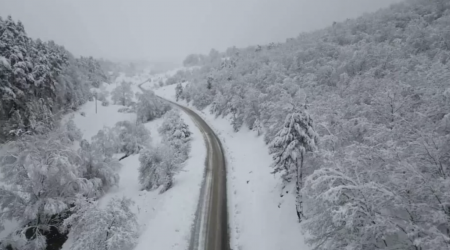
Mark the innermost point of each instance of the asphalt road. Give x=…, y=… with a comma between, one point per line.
x=210, y=228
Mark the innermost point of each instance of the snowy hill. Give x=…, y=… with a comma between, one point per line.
x=259, y=218
x=356, y=118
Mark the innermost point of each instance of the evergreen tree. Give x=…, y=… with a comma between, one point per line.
x=38, y=76
x=289, y=148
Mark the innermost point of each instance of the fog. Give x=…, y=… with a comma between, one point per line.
x=168, y=30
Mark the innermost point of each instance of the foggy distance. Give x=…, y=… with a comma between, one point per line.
x=170, y=30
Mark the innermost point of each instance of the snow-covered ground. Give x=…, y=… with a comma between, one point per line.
x=259, y=218
x=165, y=219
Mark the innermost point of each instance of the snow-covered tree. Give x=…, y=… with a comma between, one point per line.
x=43, y=177
x=132, y=137
x=178, y=91
x=122, y=94
x=150, y=107
x=73, y=133
x=289, y=148
x=158, y=165
x=106, y=142
x=176, y=134
x=113, y=228
x=39, y=81
x=99, y=166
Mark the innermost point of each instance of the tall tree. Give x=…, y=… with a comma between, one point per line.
x=289, y=148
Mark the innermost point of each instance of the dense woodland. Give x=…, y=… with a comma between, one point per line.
x=50, y=178
x=39, y=81
x=357, y=117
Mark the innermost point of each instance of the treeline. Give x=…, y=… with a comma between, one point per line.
x=357, y=116
x=39, y=81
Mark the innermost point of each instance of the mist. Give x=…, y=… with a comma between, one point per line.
x=171, y=29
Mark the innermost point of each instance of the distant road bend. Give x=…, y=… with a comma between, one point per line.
x=210, y=228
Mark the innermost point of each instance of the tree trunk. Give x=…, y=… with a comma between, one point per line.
x=299, y=186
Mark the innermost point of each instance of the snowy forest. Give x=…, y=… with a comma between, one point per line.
x=39, y=81
x=357, y=118
x=51, y=178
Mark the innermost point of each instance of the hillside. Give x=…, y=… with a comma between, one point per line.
x=89, y=160
x=356, y=117
x=39, y=82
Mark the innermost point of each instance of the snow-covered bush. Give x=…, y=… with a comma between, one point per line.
x=131, y=109
x=125, y=137
x=200, y=95
x=132, y=137
x=176, y=134
x=99, y=166
x=105, y=142
x=114, y=227
x=158, y=165
x=150, y=107
x=72, y=132
x=122, y=94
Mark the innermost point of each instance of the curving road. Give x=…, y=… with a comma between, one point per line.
x=210, y=228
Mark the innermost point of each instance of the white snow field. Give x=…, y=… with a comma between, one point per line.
x=259, y=218
x=165, y=219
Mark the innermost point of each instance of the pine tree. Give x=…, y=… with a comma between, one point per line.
x=37, y=76
x=292, y=142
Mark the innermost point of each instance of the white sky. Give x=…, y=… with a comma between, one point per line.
x=168, y=30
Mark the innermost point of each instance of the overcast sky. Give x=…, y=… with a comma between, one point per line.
x=168, y=30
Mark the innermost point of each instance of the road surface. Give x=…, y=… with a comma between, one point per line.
x=210, y=228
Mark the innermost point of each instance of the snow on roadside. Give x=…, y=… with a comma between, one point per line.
x=170, y=226
x=165, y=219
x=259, y=218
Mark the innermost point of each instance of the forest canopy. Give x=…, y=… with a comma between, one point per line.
x=39, y=81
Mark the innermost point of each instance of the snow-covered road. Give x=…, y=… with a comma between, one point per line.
x=259, y=218
x=210, y=229
x=165, y=219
